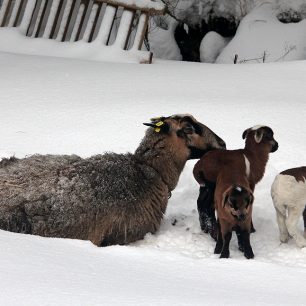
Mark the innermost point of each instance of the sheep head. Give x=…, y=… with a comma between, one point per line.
x=194, y=136
x=261, y=135
x=237, y=200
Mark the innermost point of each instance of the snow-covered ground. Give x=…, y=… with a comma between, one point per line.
x=54, y=105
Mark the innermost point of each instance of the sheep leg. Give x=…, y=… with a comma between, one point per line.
x=281, y=221
x=294, y=214
x=206, y=209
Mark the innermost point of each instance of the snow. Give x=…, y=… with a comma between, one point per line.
x=260, y=34
x=11, y=40
x=14, y=39
x=65, y=106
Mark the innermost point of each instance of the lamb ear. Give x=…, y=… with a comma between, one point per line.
x=251, y=198
x=225, y=199
x=258, y=135
x=245, y=133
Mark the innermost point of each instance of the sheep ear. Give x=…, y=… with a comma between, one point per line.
x=149, y=124
x=159, y=126
x=258, y=136
x=245, y=133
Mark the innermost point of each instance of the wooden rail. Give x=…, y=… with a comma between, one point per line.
x=120, y=23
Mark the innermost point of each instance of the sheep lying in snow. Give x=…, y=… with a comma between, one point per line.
x=288, y=192
x=108, y=199
x=259, y=142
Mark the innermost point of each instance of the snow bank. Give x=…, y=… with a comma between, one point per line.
x=11, y=40
x=261, y=35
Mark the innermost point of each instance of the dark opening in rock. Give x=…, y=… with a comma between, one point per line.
x=189, y=38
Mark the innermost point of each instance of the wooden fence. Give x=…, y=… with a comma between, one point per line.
x=122, y=22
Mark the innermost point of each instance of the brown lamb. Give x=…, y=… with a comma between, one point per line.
x=249, y=162
x=233, y=203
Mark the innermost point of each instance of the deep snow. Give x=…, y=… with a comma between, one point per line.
x=53, y=105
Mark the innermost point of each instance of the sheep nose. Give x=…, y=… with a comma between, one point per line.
x=221, y=143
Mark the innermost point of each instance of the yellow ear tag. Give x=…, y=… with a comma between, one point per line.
x=158, y=124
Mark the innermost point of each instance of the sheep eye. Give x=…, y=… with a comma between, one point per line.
x=189, y=129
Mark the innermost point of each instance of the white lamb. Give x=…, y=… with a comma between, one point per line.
x=288, y=192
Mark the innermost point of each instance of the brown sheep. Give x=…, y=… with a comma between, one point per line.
x=252, y=160
x=108, y=199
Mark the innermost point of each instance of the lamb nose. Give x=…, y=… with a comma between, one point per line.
x=241, y=217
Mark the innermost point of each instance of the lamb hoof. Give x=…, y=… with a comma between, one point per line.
x=225, y=254
x=284, y=238
x=217, y=250
x=249, y=254
x=208, y=225
x=301, y=243
x=241, y=248
x=214, y=232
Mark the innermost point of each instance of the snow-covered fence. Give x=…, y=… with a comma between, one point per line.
x=121, y=24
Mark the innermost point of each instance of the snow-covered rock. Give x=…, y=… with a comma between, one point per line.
x=162, y=41
x=211, y=46
x=262, y=37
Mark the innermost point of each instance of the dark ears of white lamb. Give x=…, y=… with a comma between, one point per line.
x=257, y=136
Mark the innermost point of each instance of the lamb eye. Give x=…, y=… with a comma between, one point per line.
x=233, y=203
